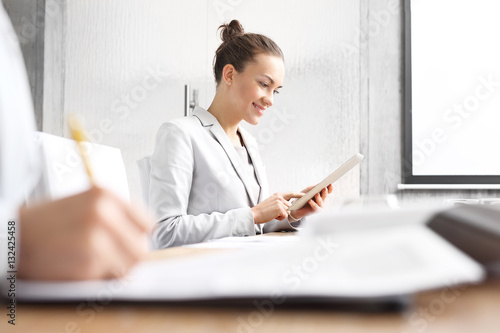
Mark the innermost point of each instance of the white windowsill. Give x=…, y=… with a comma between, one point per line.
x=448, y=186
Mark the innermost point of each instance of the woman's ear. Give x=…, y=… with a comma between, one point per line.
x=228, y=73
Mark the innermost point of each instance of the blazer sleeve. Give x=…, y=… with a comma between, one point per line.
x=284, y=225
x=172, y=167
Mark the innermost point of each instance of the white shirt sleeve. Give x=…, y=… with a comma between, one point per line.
x=18, y=155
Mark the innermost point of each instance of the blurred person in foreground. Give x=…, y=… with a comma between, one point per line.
x=92, y=235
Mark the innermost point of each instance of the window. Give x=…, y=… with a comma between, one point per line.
x=452, y=92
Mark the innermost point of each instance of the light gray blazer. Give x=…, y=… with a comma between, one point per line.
x=198, y=187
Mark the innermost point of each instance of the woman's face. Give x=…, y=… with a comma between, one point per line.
x=253, y=90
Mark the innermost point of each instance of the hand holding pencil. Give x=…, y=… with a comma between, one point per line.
x=91, y=235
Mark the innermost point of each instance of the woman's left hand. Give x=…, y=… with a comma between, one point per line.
x=314, y=204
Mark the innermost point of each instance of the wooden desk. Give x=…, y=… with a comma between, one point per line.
x=474, y=309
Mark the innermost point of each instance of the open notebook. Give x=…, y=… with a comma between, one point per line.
x=367, y=264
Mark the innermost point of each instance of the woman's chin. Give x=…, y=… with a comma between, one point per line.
x=253, y=120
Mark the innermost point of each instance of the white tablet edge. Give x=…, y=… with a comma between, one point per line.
x=332, y=178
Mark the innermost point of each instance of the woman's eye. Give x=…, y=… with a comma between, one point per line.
x=276, y=92
x=265, y=85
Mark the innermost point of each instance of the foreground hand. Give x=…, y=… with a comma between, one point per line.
x=274, y=207
x=92, y=235
x=314, y=204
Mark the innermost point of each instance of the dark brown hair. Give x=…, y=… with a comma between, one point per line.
x=239, y=48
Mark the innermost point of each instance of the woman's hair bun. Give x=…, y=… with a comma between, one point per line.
x=239, y=48
x=231, y=30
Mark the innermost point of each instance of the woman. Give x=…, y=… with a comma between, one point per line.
x=207, y=178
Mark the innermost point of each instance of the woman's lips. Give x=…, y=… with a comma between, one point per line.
x=259, y=108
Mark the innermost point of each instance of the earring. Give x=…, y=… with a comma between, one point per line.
x=229, y=83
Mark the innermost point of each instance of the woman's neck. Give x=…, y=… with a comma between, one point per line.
x=226, y=117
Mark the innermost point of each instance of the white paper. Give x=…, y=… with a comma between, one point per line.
x=64, y=172
x=248, y=242
x=378, y=262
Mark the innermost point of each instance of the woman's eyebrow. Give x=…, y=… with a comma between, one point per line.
x=272, y=81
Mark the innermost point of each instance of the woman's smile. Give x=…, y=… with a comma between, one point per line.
x=260, y=109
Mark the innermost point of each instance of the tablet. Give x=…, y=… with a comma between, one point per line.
x=332, y=178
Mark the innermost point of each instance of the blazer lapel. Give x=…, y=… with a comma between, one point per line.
x=208, y=120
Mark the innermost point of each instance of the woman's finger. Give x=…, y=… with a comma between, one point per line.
x=324, y=193
x=285, y=202
x=290, y=195
x=318, y=199
x=282, y=213
x=314, y=205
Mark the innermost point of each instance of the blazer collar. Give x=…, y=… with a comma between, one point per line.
x=205, y=117
x=208, y=120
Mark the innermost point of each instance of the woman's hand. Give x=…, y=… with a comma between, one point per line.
x=274, y=207
x=92, y=235
x=314, y=204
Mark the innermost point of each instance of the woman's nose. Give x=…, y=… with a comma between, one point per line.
x=268, y=100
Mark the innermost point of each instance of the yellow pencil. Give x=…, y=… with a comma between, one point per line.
x=79, y=136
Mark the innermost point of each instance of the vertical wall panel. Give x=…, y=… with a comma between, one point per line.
x=28, y=19
x=364, y=85
x=54, y=67
x=384, y=33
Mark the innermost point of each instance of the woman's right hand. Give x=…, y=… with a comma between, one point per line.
x=274, y=207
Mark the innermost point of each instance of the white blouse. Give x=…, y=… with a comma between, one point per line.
x=249, y=169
